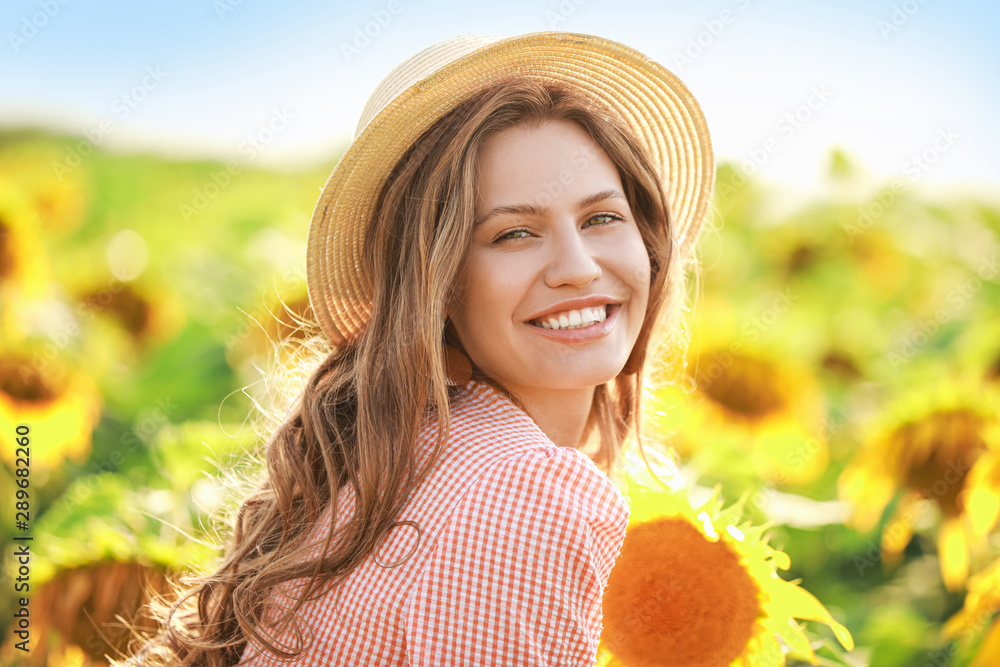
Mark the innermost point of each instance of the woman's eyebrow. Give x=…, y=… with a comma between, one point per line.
x=532, y=209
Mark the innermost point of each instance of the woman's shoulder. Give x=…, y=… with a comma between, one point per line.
x=538, y=508
x=525, y=552
x=560, y=482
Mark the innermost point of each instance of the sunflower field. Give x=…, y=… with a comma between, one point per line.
x=822, y=486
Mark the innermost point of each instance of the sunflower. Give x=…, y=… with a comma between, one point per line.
x=841, y=364
x=978, y=345
x=982, y=602
x=61, y=406
x=113, y=544
x=697, y=586
x=882, y=269
x=284, y=322
x=941, y=447
x=24, y=270
x=60, y=199
x=745, y=405
x=79, y=610
x=826, y=249
x=147, y=313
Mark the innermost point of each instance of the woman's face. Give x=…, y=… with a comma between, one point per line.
x=554, y=285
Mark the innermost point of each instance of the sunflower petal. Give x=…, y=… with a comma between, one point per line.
x=899, y=530
x=800, y=603
x=988, y=654
x=983, y=509
x=770, y=653
x=793, y=635
x=954, y=554
x=981, y=601
x=781, y=560
x=605, y=657
x=982, y=494
x=731, y=515
x=869, y=490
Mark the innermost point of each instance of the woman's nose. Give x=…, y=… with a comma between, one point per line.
x=572, y=262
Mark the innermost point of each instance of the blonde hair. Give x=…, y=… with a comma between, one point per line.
x=354, y=426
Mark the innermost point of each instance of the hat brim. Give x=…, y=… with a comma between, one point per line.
x=658, y=108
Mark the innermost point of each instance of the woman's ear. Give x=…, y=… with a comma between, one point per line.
x=451, y=305
x=458, y=366
x=451, y=334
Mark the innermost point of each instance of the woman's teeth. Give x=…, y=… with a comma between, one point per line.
x=574, y=319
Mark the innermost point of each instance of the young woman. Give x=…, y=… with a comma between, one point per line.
x=491, y=261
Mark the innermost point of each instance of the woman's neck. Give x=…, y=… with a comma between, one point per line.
x=561, y=414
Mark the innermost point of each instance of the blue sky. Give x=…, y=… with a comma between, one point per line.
x=885, y=79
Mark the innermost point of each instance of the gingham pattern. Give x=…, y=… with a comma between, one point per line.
x=519, y=538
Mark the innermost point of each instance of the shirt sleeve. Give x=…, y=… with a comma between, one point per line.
x=517, y=577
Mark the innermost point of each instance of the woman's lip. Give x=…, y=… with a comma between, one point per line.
x=583, y=334
x=595, y=301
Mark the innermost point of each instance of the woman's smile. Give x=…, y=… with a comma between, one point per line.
x=585, y=331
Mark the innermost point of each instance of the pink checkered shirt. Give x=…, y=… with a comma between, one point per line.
x=519, y=538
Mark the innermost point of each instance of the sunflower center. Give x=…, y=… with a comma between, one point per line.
x=22, y=381
x=993, y=372
x=676, y=598
x=744, y=385
x=802, y=258
x=130, y=309
x=937, y=452
x=840, y=364
x=6, y=254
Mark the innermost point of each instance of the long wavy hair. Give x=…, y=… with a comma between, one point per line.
x=353, y=428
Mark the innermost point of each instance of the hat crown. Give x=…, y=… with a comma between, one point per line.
x=658, y=109
x=417, y=67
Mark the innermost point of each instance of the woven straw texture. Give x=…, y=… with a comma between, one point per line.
x=660, y=110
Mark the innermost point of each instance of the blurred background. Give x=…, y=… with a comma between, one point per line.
x=158, y=169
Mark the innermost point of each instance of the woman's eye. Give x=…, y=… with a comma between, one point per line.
x=606, y=218
x=512, y=234
x=599, y=220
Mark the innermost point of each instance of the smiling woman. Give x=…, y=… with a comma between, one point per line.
x=551, y=302
x=488, y=261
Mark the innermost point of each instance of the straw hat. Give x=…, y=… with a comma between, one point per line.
x=653, y=102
